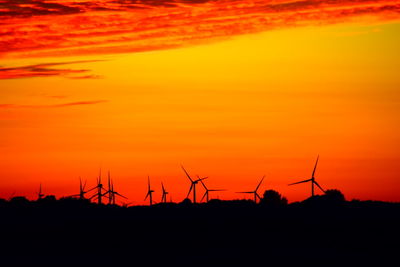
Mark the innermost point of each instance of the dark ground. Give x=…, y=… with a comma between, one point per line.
x=222, y=233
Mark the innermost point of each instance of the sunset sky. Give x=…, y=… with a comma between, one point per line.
x=230, y=89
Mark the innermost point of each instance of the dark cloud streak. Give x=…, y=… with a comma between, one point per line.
x=46, y=70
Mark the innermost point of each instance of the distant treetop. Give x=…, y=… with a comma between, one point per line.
x=273, y=198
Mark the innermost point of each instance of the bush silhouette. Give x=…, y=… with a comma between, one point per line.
x=273, y=198
x=334, y=195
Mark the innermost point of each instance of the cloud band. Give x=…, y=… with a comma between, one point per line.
x=37, y=28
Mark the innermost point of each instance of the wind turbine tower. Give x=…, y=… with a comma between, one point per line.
x=149, y=191
x=164, y=194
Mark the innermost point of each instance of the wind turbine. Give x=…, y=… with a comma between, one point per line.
x=82, y=189
x=149, y=192
x=312, y=180
x=111, y=193
x=164, y=194
x=99, y=188
x=206, y=194
x=82, y=192
x=193, y=185
x=40, y=194
x=256, y=195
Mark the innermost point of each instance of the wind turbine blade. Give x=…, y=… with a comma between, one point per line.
x=258, y=196
x=204, y=196
x=260, y=183
x=187, y=174
x=102, y=188
x=305, y=181
x=92, y=189
x=120, y=195
x=105, y=195
x=315, y=182
x=109, y=181
x=84, y=186
x=148, y=182
x=248, y=192
x=190, y=190
x=201, y=181
x=162, y=185
x=148, y=193
x=315, y=167
x=216, y=190
x=106, y=192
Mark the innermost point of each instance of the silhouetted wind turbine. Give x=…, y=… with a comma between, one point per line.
x=99, y=188
x=82, y=189
x=193, y=185
x=206, y=194
x=40, y=194
x=149, y=192
x=111, y=193
x=312, y=180
x=256, y=195
x=82, y=192
x=164, y=194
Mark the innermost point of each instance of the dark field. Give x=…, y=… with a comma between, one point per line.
x=220, y=233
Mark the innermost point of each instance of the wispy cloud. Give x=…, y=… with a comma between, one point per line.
x=69, y=104
x=57, y=28
x=46, y=70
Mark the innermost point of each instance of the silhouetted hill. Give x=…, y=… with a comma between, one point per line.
x=315, y=232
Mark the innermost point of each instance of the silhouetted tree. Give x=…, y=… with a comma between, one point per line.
x=273, y=198
x=186, y=202
x=331, y=198
x=334, y=195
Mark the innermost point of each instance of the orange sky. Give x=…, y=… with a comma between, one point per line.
x=230, y=89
